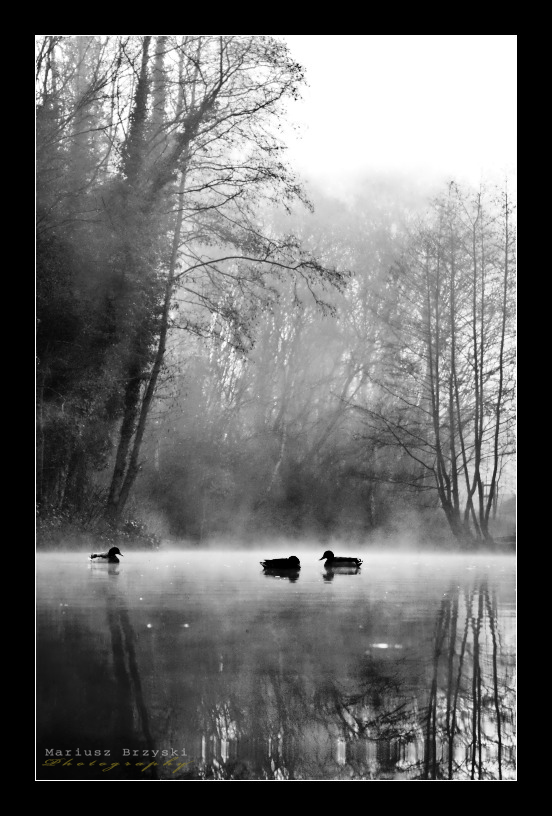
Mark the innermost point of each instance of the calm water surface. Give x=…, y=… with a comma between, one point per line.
x=404, y=670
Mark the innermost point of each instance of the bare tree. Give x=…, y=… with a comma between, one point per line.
x=447, y=394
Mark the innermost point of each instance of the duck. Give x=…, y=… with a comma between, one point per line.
x=333, y=561
x=110, y=556
x=282, y=563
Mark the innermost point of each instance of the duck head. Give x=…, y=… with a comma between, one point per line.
x=115, y=551
x=294, y=560
x=327, y=554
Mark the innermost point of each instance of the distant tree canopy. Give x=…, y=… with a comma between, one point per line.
x=211, y=351
x=392, y=412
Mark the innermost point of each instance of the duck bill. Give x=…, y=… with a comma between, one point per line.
x=321, y=559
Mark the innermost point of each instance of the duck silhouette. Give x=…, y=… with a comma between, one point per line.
x=340, y=561
x=282, y=563
x=110, y=556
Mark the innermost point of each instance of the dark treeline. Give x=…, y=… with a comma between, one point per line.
x=212, y=354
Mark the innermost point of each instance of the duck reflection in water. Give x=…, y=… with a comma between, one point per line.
x=330, y=572
x=282, y=567
x=111, y=568
x=291, y=574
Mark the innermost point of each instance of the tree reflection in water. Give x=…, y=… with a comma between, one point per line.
x=349, y=687
x=89, y=690
x=470, y=715
x=290, y=714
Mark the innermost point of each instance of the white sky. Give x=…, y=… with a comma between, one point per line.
x=424, y=104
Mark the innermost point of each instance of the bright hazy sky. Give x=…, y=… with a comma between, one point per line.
x=423, y=104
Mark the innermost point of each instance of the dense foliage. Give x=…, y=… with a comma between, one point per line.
x=153, y=155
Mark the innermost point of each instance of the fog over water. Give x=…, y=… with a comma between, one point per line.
x=403, y=669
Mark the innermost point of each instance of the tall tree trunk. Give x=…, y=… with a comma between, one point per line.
x=498, y=415
x=133, y=465
x=452, y=375
x=133, y=163
x=137, y=406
